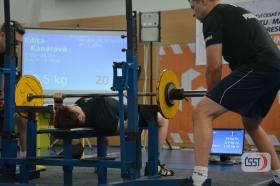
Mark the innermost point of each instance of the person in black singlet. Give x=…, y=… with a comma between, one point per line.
x=249, y=90
x=102, y=113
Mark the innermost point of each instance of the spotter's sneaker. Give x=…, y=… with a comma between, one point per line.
x=162, y=170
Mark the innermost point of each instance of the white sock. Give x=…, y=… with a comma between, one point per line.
x=159, y=152
x=22, y=154
x=276, y=175
x=200, y=174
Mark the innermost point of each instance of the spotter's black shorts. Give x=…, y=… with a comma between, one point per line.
x=248, y=93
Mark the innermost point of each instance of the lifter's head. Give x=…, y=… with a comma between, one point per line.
x=202, y=7
x=70, y=116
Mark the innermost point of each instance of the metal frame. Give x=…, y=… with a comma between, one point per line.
x=8, y=142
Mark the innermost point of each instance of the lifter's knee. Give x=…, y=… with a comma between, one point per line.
x=20, y=122
x=207, y=109
x=201, y=112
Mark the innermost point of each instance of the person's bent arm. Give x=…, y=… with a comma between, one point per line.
x=214, y=65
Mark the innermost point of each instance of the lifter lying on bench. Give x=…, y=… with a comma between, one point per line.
x=102, y=114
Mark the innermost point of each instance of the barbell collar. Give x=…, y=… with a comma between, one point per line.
x=170, y=87
x=176, y=94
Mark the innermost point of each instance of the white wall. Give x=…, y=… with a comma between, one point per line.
x=62, y=9
x=69, y=9
x=24, y=11
x=31, y=12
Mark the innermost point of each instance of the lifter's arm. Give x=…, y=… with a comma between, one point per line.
x=58, y=100
x=214, y=65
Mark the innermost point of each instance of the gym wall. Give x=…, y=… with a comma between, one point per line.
x=176, y=51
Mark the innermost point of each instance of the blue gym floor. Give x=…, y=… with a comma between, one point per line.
x=181, y=161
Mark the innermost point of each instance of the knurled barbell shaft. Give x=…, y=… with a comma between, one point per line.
x=113, y=94
x=185, y=93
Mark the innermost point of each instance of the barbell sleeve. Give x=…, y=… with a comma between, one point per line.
x=194, y=93
x=179, y=94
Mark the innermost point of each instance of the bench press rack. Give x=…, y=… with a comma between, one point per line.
x=129, y=163
x=102, y=162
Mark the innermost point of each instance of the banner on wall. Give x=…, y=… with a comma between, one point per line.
x=268, y=12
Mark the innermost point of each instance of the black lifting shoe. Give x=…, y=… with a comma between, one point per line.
x=162, y=170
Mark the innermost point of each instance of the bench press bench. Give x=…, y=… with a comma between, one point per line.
x=67, y=135
x=102, y=162
x=76, y=133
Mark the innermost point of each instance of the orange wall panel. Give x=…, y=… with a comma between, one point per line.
x=180, y=62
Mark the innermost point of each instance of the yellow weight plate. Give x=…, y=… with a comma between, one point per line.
x=167, y=110
x=26, y=85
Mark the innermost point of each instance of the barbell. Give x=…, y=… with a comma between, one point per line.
x=29, y=92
